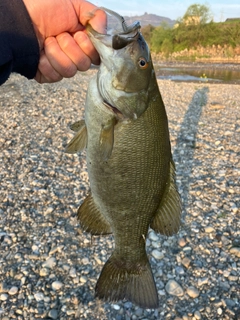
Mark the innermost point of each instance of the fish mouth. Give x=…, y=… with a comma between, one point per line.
x=117, y=36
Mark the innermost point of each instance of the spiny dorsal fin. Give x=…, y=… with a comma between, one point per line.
x=91, y=218
x=107, y=139
x=79, y=141
x=167, y=220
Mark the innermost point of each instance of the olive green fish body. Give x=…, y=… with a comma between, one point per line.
x=131, y=172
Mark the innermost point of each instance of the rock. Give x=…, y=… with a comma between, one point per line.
x=186, y=262
x=57, y=285
x=173, y=288
x=157, y=254
x=73, y=272
x=182, y=242
x=39, y=296
x=50, y=263
x=235, y=251
x=219, y=311
x=116, y=307
x=202, y=281
x=53, y=314
x=197, y=315
x=13, y=291
x=209, y=229
x=3, y=296
x=192, y=292
x=153, y=236
x=83, y=279
x=44, y=272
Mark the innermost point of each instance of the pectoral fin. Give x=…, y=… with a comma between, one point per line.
x=77, y=126
x=91, y=218
x=107, y=139
x=79, y=141
x=167, y=220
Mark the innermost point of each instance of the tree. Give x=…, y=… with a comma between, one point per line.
x=147, y=32
x=198, y=11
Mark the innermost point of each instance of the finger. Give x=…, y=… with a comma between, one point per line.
x=75, y=52
x=58, y=59
x=87, y=47
x=89, y=13
x=45, y=72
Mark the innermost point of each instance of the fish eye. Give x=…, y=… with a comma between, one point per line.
x=143, y=64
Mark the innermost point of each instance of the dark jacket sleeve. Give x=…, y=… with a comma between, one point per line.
x=19, y=49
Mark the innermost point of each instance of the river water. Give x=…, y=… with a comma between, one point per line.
x=198, y=72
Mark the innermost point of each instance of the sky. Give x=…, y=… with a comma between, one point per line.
x=220, y=9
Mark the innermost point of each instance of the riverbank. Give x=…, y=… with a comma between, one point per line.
x=209, y=54
x=198, y=71
x=49, y=266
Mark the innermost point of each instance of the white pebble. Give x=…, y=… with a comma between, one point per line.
x=83, y=279
x=157, y=254
x=39, y=296
x=13, y=291
x=50, y=263
x=3, y=297
x=172, y=287
x=115, y=306
x=153, y=236
x=57, y=285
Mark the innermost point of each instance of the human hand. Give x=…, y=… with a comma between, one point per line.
x=65, y=47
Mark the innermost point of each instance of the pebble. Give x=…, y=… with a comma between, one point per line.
x=39, y=296
x=44, y=272
x=157, y=254
x=197, y=315
x=193, y=292
x=182, y=242
x=53, y=314
x=83, y=279
x=41, y=240
x=73, y=272
x=153, y=236
x=116, y=307
x=209, y=229
x=50, y=263
x=3, y=296
x=172, y=287
x=186, y=262
x=235, y=251
x=202, y=281
x=13, y=290
x=57, y=285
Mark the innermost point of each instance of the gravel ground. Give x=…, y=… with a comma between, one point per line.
x=49, y=267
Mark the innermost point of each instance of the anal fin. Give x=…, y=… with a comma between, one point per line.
x=167, y=220
x=91, y=218
x=79, y=141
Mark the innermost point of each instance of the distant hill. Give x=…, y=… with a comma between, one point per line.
x=149, y=18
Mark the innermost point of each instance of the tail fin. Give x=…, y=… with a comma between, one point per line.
x=132, y=281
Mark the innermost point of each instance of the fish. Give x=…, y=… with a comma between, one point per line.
x=129, y=160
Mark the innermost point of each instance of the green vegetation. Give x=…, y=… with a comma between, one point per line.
x=194, y=29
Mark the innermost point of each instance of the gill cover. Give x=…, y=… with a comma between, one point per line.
x=126, y=67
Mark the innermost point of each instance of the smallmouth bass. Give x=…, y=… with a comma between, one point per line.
x=129, y=160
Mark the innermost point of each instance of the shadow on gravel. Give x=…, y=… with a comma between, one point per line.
x=184, y=150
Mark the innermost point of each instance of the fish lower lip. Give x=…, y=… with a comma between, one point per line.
x=114, y=109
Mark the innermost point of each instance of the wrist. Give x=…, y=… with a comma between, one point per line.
x=31, y=9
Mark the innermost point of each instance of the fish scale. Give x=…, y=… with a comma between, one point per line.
x=130, y=166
